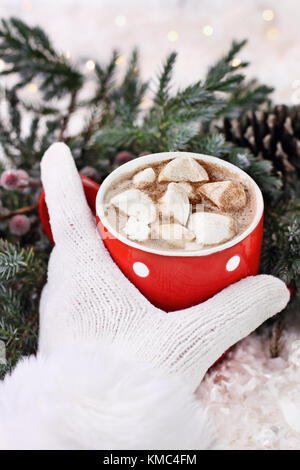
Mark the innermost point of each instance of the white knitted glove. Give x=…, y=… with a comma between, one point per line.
x=87, y=296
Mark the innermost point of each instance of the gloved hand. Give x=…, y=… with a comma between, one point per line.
x=88, y=297
x=87, y=301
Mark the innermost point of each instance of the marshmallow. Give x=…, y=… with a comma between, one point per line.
x=227, y=195
x=175, y=234
x=188, y=188
x=211, y=228
x=144, y=178
x=183, y=169
x=136, y=203
x=175, y=203
x=136, y=229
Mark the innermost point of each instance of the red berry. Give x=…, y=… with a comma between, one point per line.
x=123, y=157
x=9, y=179
x=19, y=225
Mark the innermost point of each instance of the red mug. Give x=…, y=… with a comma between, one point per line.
x=173, y=280
x=90, y=189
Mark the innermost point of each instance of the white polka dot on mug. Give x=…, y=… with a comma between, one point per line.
x=140, y=269
x=233, y=263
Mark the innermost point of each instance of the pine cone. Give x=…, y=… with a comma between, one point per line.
x=273, y=135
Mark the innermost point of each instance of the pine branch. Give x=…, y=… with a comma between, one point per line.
x=19, y=334
x=164, y=79
x=32, y=56
x=240, y=95
x=178, y=136
x=105, y=77
x=15, y=260
x=10, y=303
x=222, y=76
x=128, y=96
x=132, y=137
x=281, y=248
x=25, y=150
x=246, y=97
x=12, y=260
x=22, y=271
x=193, y=103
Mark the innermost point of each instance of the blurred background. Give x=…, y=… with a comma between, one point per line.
x=200, y=30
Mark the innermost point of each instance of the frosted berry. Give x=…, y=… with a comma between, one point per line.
x=123, y=157
x=10, y=179
x=90, y=172
x=23, y=176
x=19, y=225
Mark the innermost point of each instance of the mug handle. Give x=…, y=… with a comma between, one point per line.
x=90, y=188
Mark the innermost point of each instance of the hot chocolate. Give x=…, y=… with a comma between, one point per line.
x=180, y=204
